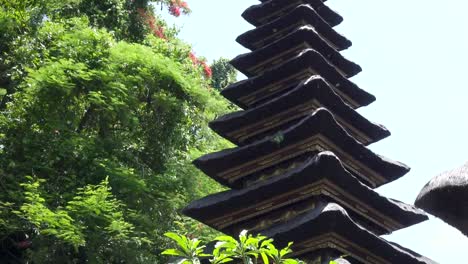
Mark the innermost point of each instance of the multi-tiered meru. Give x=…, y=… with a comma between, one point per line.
x=302, y=171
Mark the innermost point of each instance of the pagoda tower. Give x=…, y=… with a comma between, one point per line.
x=301, y=170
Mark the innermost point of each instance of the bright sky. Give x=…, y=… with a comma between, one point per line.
x=414, y=54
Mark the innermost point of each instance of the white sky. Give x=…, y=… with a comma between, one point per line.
x=414, y=54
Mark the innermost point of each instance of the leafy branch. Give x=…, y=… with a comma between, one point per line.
x=247, y=249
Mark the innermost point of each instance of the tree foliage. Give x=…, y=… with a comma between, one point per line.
x=99, y=120
x=224, y=73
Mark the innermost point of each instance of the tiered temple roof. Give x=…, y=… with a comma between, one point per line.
x=244, y=127
x=319, y=131
x=279, y=79
x=301, y=170
x=296, y=192
x=302, y=15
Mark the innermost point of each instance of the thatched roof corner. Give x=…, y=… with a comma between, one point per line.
x=446, y=196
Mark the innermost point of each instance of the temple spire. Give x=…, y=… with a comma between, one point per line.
x=302, y=170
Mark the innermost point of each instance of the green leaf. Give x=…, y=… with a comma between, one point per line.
x=195, y=243
x=224, y=260
x=265, y=258
x=291, y=261
x=251, y=241
x=286, y=250
x=227, y=245
x=173, y=252
x=226, y=239
x=177, y=238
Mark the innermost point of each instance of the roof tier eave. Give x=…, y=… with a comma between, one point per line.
x=269, y=10
x=244, y=127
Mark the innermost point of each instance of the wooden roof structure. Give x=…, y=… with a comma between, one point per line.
x=446, y=196
x=302, y=170
x=285, y=195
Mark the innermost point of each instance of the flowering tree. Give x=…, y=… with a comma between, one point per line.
x=100, y=118
x=175, y=8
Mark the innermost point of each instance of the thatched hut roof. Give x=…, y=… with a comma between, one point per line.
x=446, y=196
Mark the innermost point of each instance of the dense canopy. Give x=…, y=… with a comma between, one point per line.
x=99, y=119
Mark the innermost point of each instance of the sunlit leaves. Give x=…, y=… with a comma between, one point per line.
x=92, y=210
x=189, y=250
x=56, y=223
x=89, y=109
x=247, y=249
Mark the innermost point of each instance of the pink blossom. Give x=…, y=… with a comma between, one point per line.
x=174, y=10
x=207, y=69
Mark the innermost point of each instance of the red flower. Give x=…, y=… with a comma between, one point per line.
x=174, y=10
x=152, y=23
x=196, y=62
x=193, y=58
x=160, y=32
x=207, y=69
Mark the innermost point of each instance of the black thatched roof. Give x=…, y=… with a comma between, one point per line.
x=265, y=12
x=332, y=223
x=300, y=16
x=255, y=90
x=230, y=166
x=289, y=46
x=446, y=196
x=292, y=188
x=245, y=127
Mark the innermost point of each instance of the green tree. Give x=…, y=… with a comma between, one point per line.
x=224, y=73
x=98, y=124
